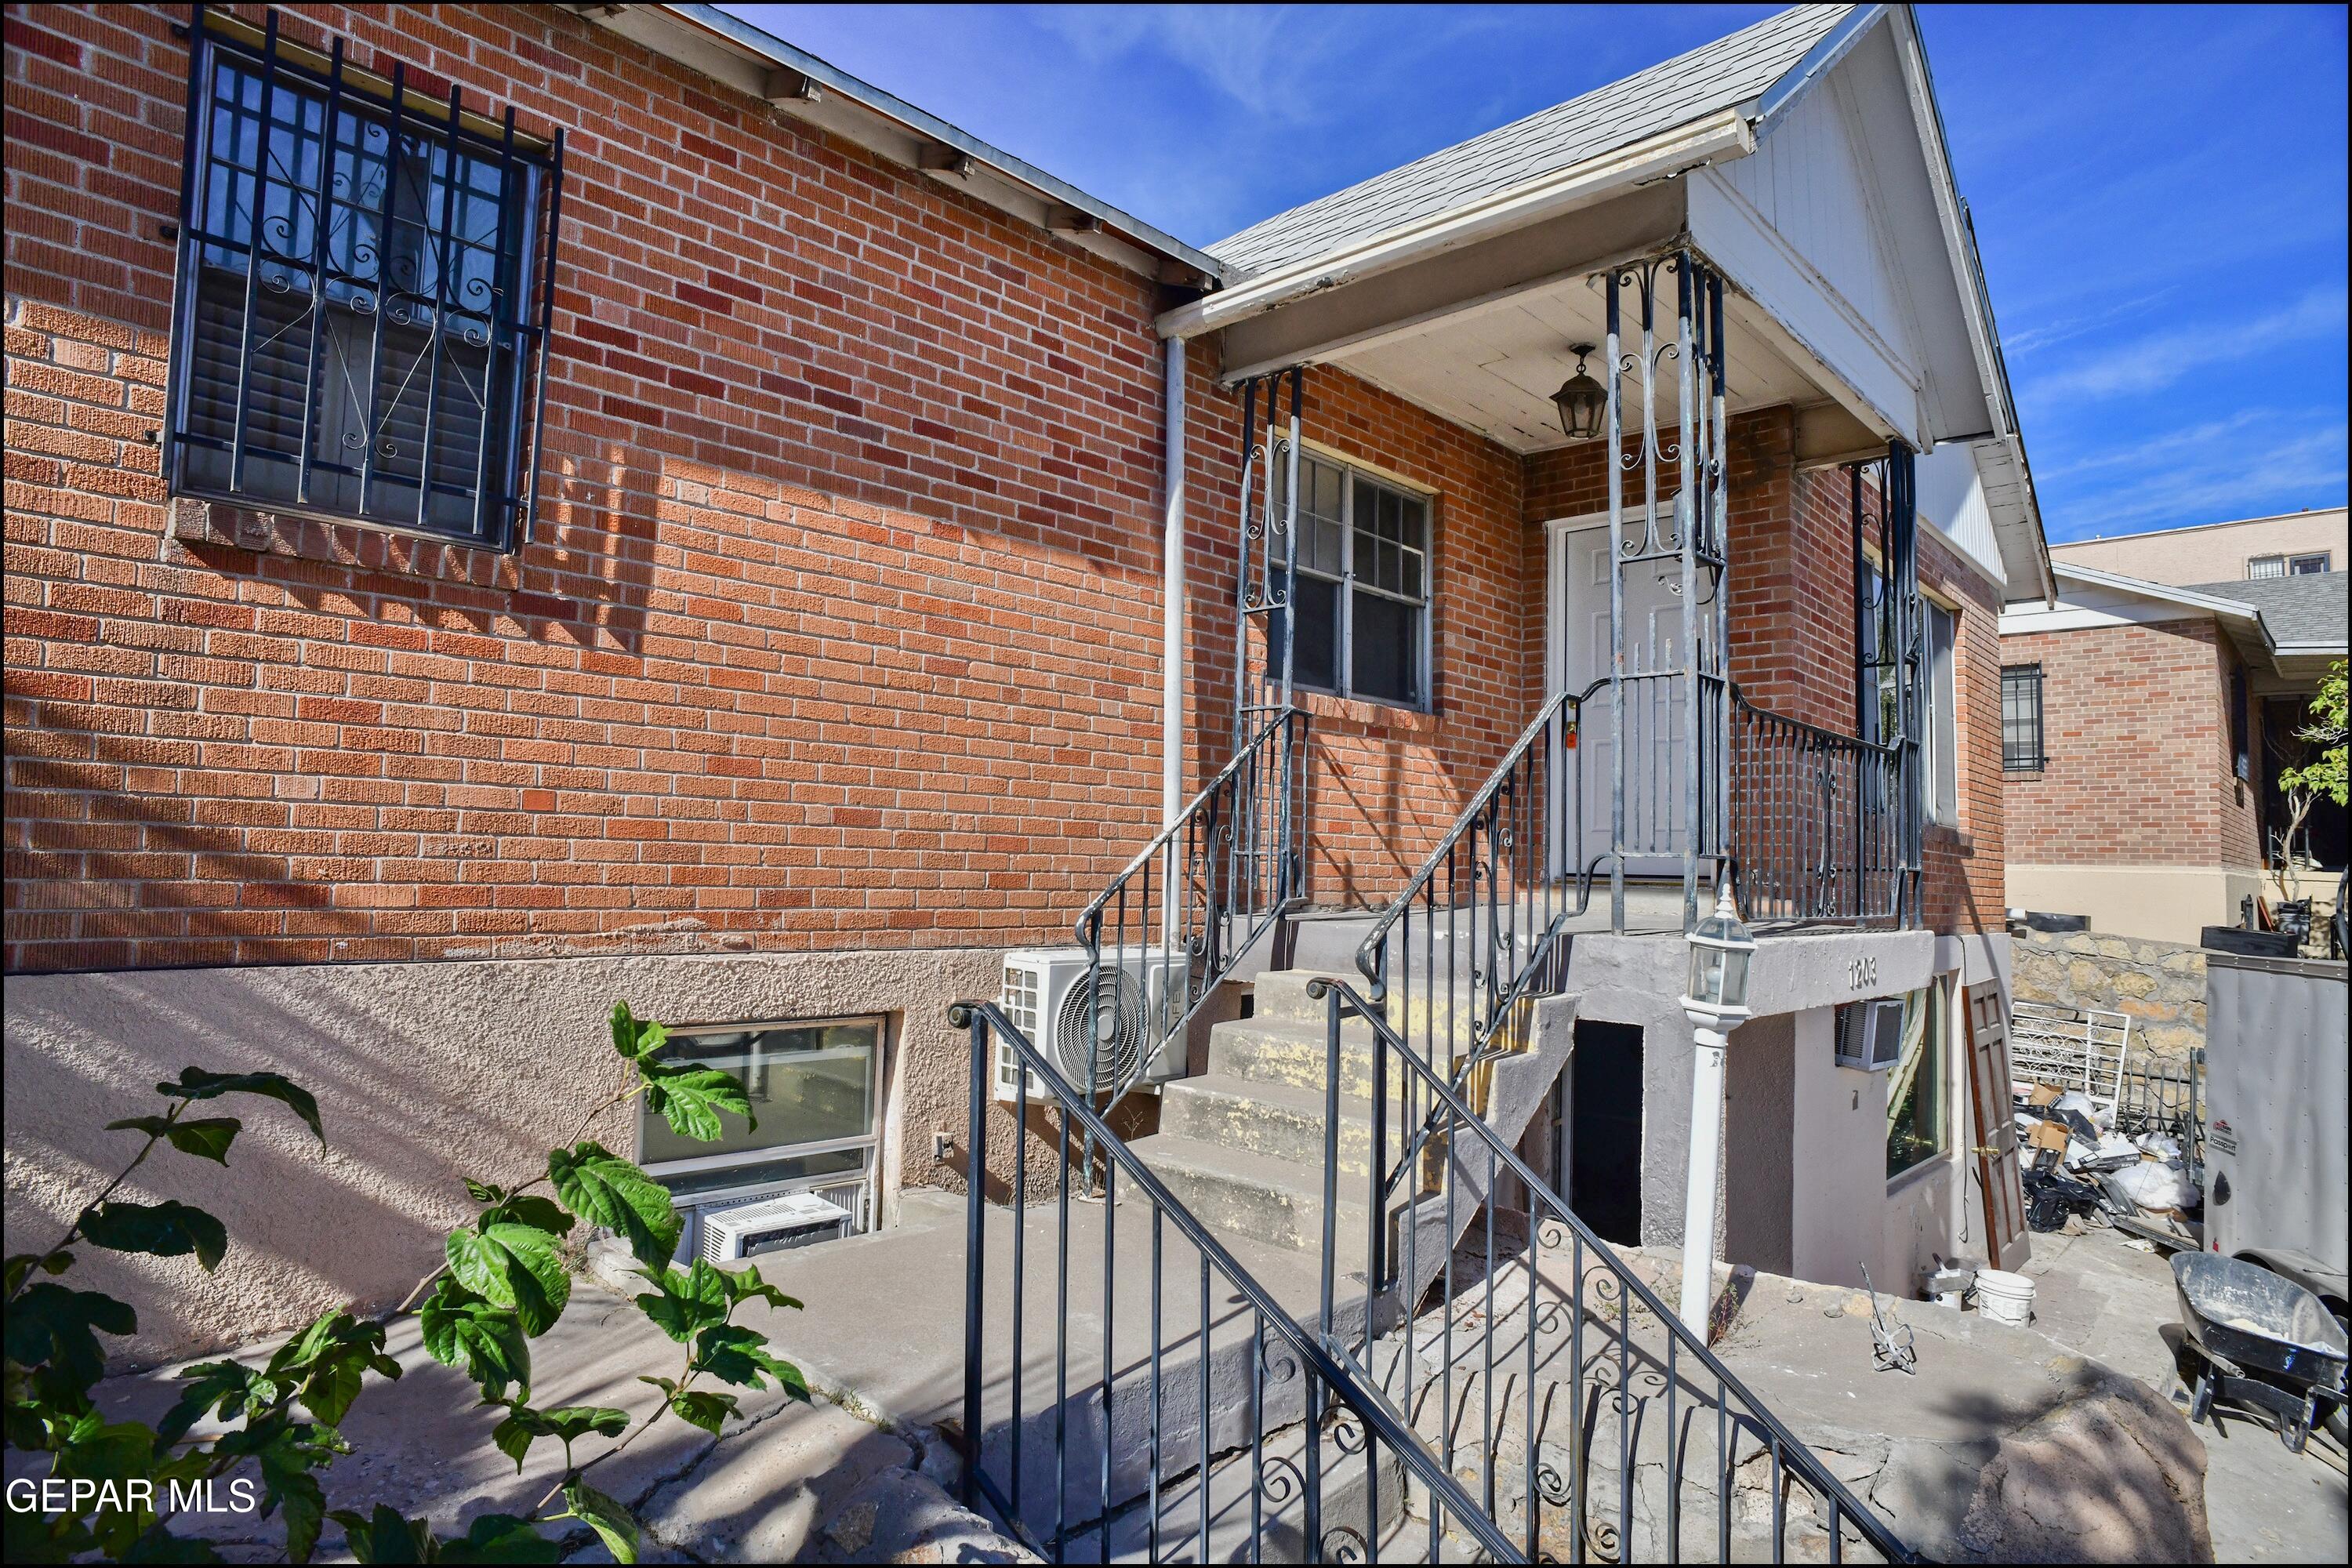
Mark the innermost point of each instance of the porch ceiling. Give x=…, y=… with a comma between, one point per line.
x=1494, y=367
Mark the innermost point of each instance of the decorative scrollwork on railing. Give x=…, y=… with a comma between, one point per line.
x=1345, y=1544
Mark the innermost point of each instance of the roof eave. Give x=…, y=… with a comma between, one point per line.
x=968, y=163
x=1716, y=138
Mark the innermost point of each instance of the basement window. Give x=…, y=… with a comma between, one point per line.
x=815, y=1089
x=364, y=276
x=1363, y=593
x=1915, y=1095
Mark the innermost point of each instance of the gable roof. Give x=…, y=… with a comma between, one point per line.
x=2305, y=612
x=1735, y=71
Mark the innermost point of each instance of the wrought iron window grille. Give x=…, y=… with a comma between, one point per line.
x=2020, y=719
x=363, y=295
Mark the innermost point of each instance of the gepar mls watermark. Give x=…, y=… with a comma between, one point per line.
x=57, y=1494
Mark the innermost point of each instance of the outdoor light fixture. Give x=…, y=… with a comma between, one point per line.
x=1720, y=947
x=1582, y=402
x=1715, y=1001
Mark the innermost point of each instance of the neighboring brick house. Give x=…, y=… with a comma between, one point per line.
x=2149, y=715
x=806, y=642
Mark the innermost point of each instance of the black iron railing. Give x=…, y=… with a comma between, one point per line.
x=1480, y=930
x=1818, y=827
x=1218, y=1427
x=2160, y=1096
x=1190, y=907
x=1574, y=1406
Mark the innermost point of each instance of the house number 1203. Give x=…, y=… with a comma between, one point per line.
x=1861, y=973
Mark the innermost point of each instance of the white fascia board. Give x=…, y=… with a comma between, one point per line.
x=2163, y=592
x=1858, y=366
x=1717, y=138
x=1820, y=60
x=725, y=48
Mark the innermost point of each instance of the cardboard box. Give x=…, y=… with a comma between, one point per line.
x=2044, y=1094
x=2048, y=1135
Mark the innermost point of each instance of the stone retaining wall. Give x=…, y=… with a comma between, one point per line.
x=2159, y=986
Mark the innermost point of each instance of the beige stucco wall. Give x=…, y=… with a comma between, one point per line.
x=424, y=1072
x=2165, y=903
x=2215, y=552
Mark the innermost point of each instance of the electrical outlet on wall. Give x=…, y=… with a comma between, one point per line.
x=942, y=1146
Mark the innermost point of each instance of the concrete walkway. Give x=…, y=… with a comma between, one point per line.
x=2101, y=1297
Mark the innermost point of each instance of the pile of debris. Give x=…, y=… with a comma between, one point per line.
x=2082, y=1171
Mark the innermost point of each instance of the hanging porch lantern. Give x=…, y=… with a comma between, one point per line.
x=1582, y=402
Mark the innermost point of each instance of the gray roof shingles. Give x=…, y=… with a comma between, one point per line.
x=2307, y=609
x=1730, y=71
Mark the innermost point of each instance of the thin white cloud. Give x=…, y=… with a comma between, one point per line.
x=2210, y=474
x=2156, y=359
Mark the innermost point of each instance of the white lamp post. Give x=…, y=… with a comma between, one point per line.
x=1717, y=1003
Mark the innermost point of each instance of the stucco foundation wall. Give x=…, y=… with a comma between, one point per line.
x=2160, y=985
x=424, y=1072
x=2162, y=903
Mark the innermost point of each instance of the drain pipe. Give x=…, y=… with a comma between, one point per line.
x=1171, y=633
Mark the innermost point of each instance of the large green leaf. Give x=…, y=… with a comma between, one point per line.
x=733, y=1354
x=744, y=1284
x=685, y=1300
x=166, y=1230
x=606, y=1516
x=51, y=1324
x=195, y=1083
x=635, y=1038
x=513, y=1266
x=500, y=1538
x=229, y=1390
x=206, y=1137
x=690, y=1099
x=287, y=1452
x=330, y=1358
x=384, y=1536
x=157, y=1544
x=523, y=1426
x=462, y=1330
x=604, y=1189
x=530, y=1209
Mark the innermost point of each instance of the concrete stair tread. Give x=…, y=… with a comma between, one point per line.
x=1279, y=1094
x=1200, y=1157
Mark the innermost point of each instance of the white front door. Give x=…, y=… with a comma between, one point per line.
x=1657, y=793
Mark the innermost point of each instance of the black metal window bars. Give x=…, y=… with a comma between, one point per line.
x=364, y=294
x=2020, y=719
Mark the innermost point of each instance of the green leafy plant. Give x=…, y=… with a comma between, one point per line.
x=502, y=1283
x=2319, y=774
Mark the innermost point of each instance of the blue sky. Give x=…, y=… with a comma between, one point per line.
x=2160, y=191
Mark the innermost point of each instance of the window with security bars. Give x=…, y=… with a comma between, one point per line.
x=364, y=274
x=1363, y=587
x=2021, y=718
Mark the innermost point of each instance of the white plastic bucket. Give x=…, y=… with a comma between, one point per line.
x=2004, y=1297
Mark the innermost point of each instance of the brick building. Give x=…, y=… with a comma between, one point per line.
x=719, y=551
x=2151, y=713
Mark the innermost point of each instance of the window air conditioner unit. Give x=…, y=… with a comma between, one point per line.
x=796, y=1219
x=1142, y=994
x=1870, y=1034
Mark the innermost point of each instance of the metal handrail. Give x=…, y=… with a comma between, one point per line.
x=1819, y=827
x=1370, y=952
x=1381, y=1422
x=1211, y=865
x=1790, y=1449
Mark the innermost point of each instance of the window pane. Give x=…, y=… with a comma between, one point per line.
x=2021, y=718
x=807, y=1083
x=2308, y=565
x=765, y=1173
x=387, y=309
x=2266, y=566
x=1943, y=717
x=1315, y=656
x=1915, y=1113
x=1387, y=649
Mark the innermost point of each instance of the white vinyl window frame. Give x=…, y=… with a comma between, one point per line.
x=1347, y=583
x=1942, y=761
x=2260, y=568
x=869, y=1140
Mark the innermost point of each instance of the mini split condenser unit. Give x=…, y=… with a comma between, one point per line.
x=772, y=1224
x=1135, y=1006
x=1870, y=1034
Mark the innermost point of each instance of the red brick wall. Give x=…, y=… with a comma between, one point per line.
x=841, y=622
x=1386, y=782
x=2136, y=726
